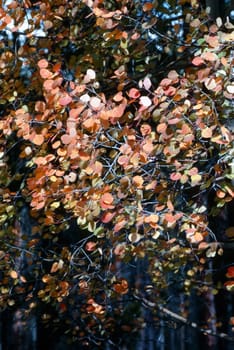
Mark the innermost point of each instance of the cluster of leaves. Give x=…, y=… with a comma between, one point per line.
x=130, y=159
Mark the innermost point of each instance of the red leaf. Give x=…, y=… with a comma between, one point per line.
x=230, y=272
x=134, y=93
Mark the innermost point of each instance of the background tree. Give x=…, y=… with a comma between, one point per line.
x=116, y=184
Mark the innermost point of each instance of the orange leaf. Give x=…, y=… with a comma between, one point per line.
x=206, y=133
x=106, y=201
x=152, y=220
x=138, y=181
x=54, y=267
x=13, y=274
x=38, y=139
x=161, y=128
x=91, y=124
x=220, y=194
x=148, y=6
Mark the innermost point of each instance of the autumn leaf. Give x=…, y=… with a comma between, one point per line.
x=230, y=272
x=13, y=274
x=45, y=73
x=134, y=93
x=106, y=201
x=229, y=286
x=65, y=100
x=42, y=63
x=90, y=246
x=38, y=139
x=175, y=176
x=121, y=287
x=197, y=61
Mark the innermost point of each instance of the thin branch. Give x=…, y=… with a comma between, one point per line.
x=178, y=318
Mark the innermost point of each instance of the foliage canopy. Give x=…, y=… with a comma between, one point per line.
x=115, y=120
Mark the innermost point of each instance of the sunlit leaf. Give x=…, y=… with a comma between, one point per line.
x=14, y=274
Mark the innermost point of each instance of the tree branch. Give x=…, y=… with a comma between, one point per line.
x=178, y=318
